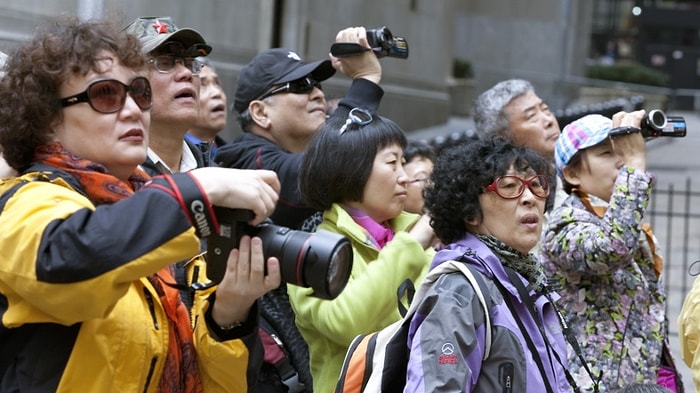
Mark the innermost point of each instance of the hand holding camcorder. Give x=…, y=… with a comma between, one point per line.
x=656, y=124
x=381, y=41
x=320, y=260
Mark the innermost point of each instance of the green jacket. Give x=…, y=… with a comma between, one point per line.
x=368, y=302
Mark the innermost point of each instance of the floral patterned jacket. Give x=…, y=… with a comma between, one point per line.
x=611, y=295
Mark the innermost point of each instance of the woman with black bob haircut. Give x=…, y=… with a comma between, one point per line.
x=341, y=163
x=486, y=202
x=353, y=171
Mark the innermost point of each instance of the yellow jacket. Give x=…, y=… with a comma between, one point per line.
x=75, y=306
x=689, y=331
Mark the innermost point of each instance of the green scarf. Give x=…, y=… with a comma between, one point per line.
x=526, y=265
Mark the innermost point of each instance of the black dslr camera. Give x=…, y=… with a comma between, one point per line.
x=656, y=124
x=320, y=260
x=381, y=42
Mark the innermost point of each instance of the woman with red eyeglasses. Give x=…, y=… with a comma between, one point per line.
x=100, y=266
x=486, y=202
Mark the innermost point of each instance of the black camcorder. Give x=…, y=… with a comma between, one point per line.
x=320, y=260
x=381, y=41
x=656, y=124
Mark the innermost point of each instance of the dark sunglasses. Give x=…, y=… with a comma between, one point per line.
x=300, y=86
x=109, y=95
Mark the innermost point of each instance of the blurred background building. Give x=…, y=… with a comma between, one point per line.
x=457, y=47
x=577, y=53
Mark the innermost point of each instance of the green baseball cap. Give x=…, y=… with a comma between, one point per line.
x=154, y=31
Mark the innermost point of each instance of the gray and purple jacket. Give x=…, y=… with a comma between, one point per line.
x=447, y=334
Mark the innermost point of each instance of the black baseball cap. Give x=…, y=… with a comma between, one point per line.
x=274, y=67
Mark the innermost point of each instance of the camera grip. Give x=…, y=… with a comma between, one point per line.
x=231, y=227
x=218, y=250
x=347, y=49
x=625, y=130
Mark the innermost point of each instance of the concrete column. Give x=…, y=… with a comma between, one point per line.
x=90, y=9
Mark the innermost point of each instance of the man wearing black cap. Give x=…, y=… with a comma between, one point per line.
x=280, y=106
x=174, y=77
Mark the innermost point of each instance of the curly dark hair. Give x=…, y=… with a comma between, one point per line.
x=34, y=72
x=336, y=167
x=460, y=175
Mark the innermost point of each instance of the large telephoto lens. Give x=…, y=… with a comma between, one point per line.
x=320, y=260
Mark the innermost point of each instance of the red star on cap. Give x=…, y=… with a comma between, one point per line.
x=160, y=28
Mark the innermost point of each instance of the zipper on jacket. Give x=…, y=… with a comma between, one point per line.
x=505, y=375
x=151, y=369
x=191, y=292
x=151, y=307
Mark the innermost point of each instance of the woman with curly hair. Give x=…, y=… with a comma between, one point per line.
x=486, y=201
x=95, y=255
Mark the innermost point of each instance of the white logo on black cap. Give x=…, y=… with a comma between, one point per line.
x=293, y=56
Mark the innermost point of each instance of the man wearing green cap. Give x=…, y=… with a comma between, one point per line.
x=174, y=77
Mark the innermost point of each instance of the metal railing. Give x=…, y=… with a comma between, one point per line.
x=674, y=214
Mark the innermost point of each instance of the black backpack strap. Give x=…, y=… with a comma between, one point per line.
x=525, y=333
x=568, y=333
x=9, y=193
x=271, y=342
x=405, y=289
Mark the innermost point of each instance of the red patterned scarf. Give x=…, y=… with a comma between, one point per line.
x=181, y=373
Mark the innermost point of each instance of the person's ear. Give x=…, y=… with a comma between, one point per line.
x=258, y=113
x=471, y=223
x=571, y=175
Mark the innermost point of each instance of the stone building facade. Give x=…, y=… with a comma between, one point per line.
x=544, y=41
